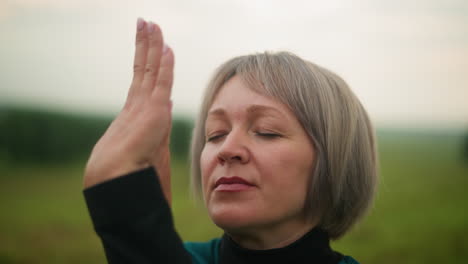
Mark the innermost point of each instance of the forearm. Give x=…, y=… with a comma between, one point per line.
x=134, y=221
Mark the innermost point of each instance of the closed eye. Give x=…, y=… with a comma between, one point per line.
x=268, y=135
x=215, y=137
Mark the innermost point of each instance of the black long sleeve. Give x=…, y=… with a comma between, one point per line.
x=134, y=221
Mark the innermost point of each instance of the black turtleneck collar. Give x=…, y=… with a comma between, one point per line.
x=313, y=247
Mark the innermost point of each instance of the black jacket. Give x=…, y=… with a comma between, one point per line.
x=134, y=222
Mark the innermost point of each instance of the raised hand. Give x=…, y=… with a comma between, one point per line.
x=139, y=135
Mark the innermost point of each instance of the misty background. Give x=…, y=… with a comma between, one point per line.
x=406, y=60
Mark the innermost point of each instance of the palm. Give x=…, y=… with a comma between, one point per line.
x=139, y=136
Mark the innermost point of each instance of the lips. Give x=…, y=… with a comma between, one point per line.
x=232, y=184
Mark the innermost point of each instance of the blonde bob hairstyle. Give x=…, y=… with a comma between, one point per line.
x=343, y=183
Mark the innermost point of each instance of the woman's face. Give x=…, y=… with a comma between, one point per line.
x=256, y=161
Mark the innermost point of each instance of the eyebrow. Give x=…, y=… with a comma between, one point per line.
x=251, y=110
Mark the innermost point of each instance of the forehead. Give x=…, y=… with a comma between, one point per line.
x=235, y=96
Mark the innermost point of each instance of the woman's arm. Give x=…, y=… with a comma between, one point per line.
x=134, y=221
x=127, y=200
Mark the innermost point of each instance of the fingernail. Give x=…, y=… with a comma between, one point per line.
x=140, y=24
x=165, y=48
x=150, y=27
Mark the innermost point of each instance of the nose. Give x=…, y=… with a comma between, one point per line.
x=234, y=149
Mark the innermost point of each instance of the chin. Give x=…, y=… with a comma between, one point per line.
x=233, y=218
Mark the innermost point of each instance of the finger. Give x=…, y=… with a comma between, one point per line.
x=162, y=91
x=153, y=58
x=141, y=51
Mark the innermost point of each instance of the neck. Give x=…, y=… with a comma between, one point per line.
x=312, y=247
x=276, y=236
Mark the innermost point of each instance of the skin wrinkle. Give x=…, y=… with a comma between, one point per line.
x=270, y=119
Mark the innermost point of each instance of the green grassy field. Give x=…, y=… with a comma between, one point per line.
x=420, y=214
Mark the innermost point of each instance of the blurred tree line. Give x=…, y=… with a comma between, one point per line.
x=31, y=135
x=465, y=148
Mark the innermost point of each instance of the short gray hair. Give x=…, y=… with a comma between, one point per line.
x=343, y=183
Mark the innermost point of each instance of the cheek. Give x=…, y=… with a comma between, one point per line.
x=292, y=166
x=290, y=183
x=207, y=164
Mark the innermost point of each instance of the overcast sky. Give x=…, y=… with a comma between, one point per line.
x=407, y=60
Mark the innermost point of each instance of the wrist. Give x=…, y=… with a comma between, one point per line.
x=94, y=175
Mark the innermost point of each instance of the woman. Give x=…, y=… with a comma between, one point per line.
x=283, y=155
